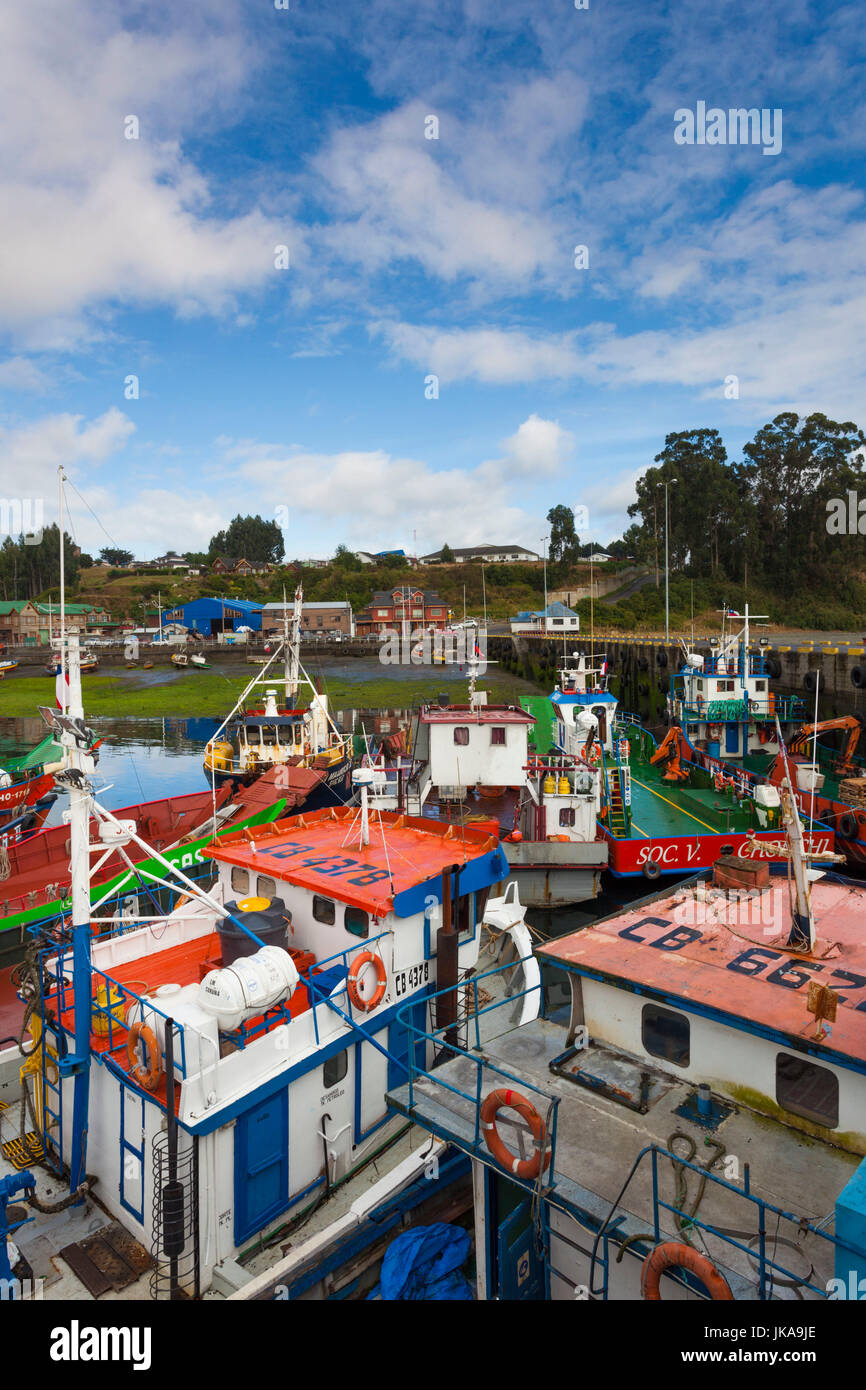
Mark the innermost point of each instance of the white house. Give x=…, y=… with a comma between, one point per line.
x=489, y=554
x=556, y=618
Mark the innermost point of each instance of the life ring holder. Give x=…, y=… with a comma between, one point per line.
x=362, y=960
x=672, y=1254
x=148, y=1076
x=527, y=1168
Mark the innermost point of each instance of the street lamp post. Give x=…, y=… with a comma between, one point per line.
x=667, y=563
x=544, y=540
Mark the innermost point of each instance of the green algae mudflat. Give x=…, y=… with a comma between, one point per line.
x=168, y=691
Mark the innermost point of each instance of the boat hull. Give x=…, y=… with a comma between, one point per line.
x=334, y=789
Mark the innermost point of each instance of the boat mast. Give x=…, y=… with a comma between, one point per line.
x=292, y=645
x=802, y=935
x=60, y=476
x=78, y=764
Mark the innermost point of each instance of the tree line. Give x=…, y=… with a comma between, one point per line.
x=784, y=515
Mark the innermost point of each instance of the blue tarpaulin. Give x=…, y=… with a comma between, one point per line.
x=425, y=1264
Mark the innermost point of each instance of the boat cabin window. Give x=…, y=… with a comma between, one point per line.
x=760, y=685
x=566, y=815
x=807, y=1090
x=461, y=735
x=335, y=1069
x=497, y=736
x=356, y=921
x=240, y=880
x=324, y=910
x=666, y=1034
x=266, y=887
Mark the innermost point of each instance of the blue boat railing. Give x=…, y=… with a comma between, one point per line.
x=787, y=707
x=436, y=1043
x=114, y=1007
x=770, y=1269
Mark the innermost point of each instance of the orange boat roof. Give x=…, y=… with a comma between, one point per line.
x=727, y=959
x=396, y=871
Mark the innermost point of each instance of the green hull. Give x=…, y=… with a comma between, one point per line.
x=45, y=752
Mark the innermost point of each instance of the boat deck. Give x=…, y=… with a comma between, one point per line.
x=598, y=1140
x=662, y=808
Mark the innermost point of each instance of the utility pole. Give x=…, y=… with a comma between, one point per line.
x=667, y=562
x=544, y=540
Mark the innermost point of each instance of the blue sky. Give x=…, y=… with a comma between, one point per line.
x=304, y=388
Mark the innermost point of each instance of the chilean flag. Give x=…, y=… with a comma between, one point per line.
x=61, y=686
x=604, y=667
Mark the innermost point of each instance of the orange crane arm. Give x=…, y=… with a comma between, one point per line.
x=852, y=722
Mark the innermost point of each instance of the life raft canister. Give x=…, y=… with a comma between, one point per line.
x=672, y=1255
x=520, y=1167
x=363, y=959
x=146, y=1076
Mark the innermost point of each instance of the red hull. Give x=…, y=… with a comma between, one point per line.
x=680, y=854
x=38, y=864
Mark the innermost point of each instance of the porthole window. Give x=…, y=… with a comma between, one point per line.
x=335, y=1069
x=240, y=880
x=807, y=1090
x=666, y=1034
x=357, y=921
x=324, y=910
x=266, y=887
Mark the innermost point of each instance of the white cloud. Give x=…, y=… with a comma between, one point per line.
x=479, y=201
x=89, y=219
x=20, y=374
x=369, y=498
x=491, y=355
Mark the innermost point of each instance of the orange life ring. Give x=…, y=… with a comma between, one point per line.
x=520, y=1167
x=670, y=1254
x=148, y=1076
x=367, y=958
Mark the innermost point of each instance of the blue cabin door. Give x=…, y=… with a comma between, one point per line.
x=261, y=1164
x=521, y=1272
x=732, y=738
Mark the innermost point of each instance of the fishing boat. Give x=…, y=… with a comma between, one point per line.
x=664, y=808
x=34, y=893
x=231, y=1058
x=724, y=702
x=198, y=660
x=254, y=739
x=89, y=662
x=689, y=1125
x=179, y=659
x=22, y=791
x=6, y=666
x=545, y=807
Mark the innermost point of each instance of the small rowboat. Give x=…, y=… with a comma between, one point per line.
x=7, y=666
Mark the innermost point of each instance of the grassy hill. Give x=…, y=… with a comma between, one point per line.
x=509, y=588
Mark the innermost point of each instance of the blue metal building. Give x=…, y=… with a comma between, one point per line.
x=212, y=615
